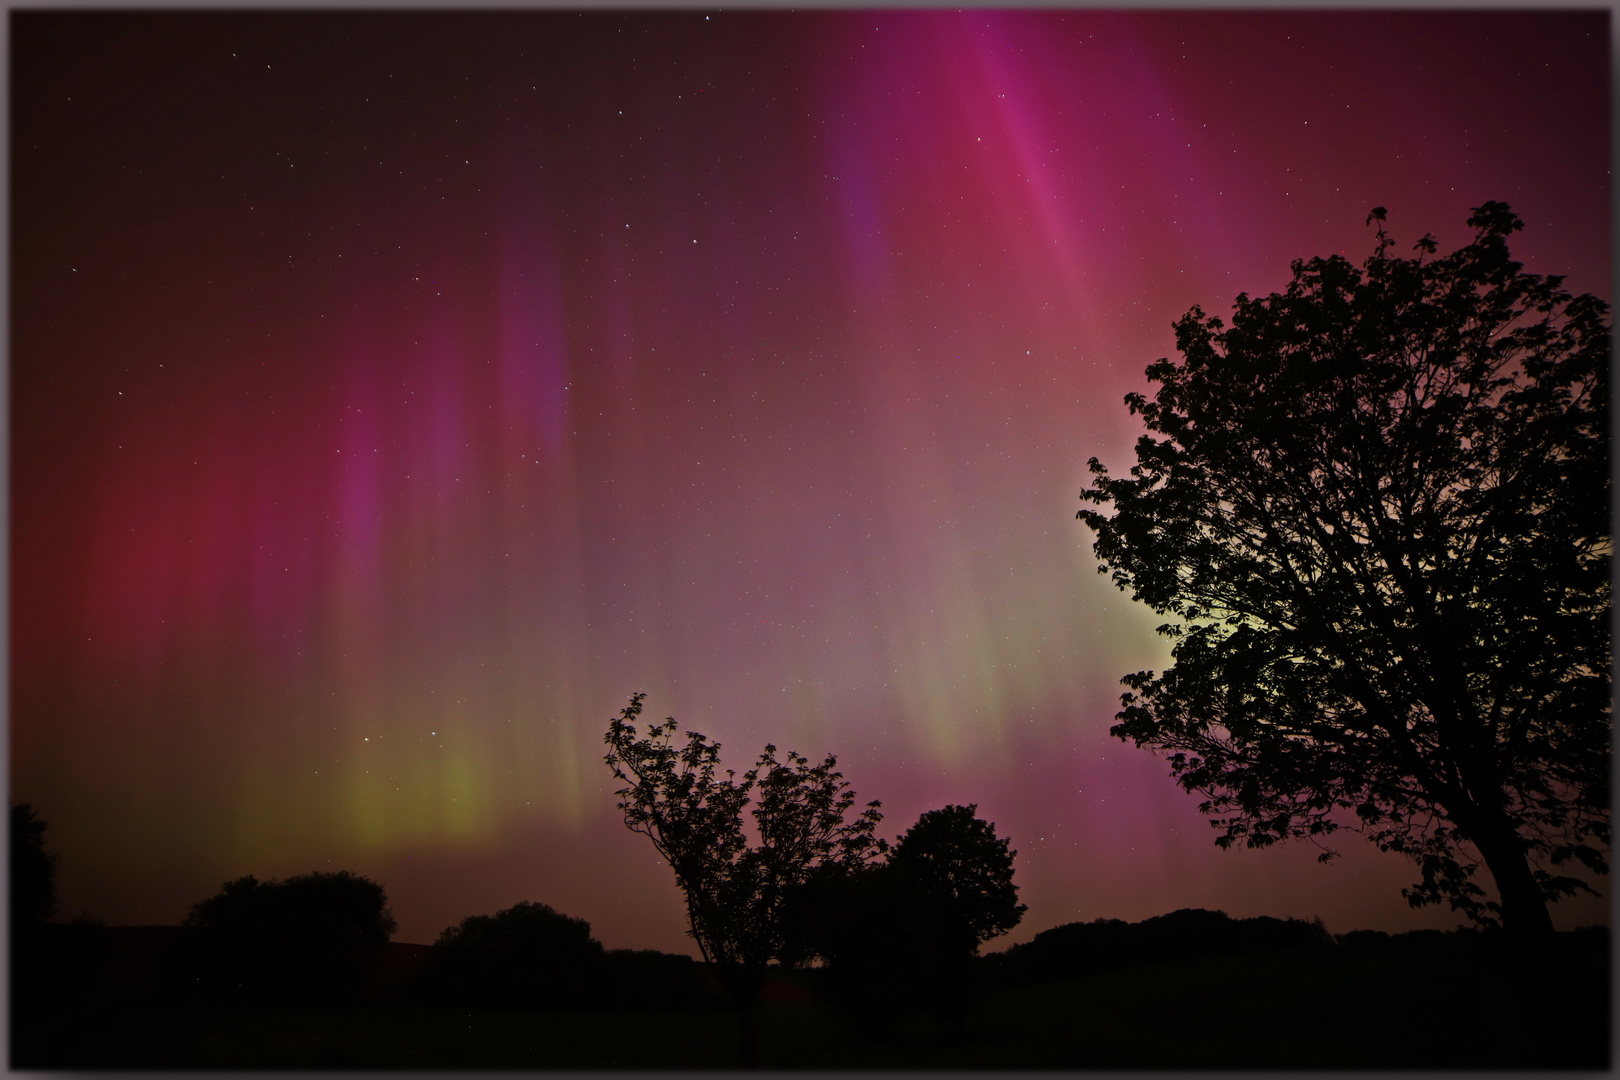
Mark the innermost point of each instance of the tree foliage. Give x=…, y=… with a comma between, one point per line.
x=306, y=939
x=1376, y=508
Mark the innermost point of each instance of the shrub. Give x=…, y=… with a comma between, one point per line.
x=309, y=939
x=527, y=956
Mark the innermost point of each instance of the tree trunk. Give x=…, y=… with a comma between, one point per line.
x=749, y=1048
x=1525, y=918
x=743, y=984
x=1530, y=942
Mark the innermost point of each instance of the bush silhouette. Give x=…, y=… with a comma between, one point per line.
x=527, y=956
x=308, y=939
x=902, y=935
x=888, y=941
x=649, y=980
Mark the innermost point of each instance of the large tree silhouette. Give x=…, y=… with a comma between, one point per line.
x=1376, y=508
x=737, y=894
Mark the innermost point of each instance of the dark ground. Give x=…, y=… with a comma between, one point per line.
x=1373, y=1004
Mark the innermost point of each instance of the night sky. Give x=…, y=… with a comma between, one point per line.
x=392, y=396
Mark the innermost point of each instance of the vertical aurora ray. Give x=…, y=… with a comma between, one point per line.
x=956, y=186
x=408, y=406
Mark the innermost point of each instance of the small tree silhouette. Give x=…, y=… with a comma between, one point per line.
x=737, y=895
x=959, y=857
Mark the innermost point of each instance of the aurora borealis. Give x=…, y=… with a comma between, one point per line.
x=392, y=395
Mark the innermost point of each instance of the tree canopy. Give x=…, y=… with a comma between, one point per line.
x=1376, y=508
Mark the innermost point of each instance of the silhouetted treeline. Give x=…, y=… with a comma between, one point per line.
x=530, y=956
x=896, y=937
x=1078, y=949
x=1581, y=948
x=322, y=939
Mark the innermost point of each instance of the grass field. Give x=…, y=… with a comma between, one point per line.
x=1328, y=1008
